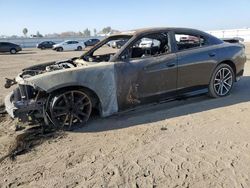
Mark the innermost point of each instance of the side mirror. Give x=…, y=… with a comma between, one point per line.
x=125, y=55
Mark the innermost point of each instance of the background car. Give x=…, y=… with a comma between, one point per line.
x=68, y=45
x=148, y=43
x=91, y=42
x=118, y=43
x=9, y=47
x=45, y=45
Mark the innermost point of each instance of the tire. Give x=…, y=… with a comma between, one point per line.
x=13, y=51
x=222, y=81
x=60, y=49
x=70, y=109
x=79, y=48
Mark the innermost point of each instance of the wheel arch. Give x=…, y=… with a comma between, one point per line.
x=227, y=62
x=230, y=63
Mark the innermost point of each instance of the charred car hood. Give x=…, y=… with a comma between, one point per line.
x=50, y=75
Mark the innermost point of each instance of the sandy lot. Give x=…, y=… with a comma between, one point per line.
x=198, y=142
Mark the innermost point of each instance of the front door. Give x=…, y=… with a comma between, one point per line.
x=157, y=76
x=149, y=74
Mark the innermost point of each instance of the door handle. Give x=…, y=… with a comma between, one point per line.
x=170, y=64
x=212, y=54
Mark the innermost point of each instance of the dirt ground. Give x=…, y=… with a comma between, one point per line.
x=198, y=142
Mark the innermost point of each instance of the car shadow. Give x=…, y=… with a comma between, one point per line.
x=35, y=136
x=168, y=110
x=18, y=53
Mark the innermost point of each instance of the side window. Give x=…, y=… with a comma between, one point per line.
x=186, y=41
x=150, y=45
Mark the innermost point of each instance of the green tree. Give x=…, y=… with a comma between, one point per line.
x=95, y=32
x=38, y=34
x=25, y=31
x=86, y=33
x=106, y=30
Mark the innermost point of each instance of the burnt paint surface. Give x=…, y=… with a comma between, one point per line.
x=142, y=80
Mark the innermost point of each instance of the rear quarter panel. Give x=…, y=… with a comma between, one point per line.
x=234, y=53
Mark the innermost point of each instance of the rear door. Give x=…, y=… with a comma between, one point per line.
x=68, y=46
x=196, y=60
x=46, y=44
x=1, y=46
x=75, y=44
x=4, y=47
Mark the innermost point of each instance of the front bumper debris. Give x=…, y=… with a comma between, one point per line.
x=23, y=110
x=9, y=83
x=9, y=106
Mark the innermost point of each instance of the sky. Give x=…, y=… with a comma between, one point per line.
x=55, y=16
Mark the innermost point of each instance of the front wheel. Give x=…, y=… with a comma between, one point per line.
x=13, y=51
x=222, y=81
x=70, y=109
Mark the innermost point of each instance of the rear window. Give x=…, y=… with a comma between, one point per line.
x=186, y=41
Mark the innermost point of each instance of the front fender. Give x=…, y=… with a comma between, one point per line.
x=98, y=78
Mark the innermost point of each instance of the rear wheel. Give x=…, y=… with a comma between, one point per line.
x=60, y=49
x=70, y=109
x=79, y=48
x=222, y=81
x=13, y=51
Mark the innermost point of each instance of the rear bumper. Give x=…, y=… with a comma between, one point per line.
x=19, y=49
x=239, y=75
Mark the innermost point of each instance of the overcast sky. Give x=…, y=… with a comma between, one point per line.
x=49, y=16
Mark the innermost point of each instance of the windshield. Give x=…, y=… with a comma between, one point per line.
x=106, y=49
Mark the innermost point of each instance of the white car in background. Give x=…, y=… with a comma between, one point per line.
x=148, y=43
x=68, y=45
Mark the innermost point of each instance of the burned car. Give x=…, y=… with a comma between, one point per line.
x=111, y=80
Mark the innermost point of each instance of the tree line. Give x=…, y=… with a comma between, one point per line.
x=85, y=33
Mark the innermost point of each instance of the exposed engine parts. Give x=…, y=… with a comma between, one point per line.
x=59, y=66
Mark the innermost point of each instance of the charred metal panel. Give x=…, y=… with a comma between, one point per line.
x=99, y=78
x=146, y=79
x=126, y=75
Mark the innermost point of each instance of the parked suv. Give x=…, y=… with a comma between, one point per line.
x=45, y=45
x=9, y=47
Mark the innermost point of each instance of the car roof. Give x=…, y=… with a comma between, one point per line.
x=180, y=30
x=8, y=43
x=70, y=41
x=157, y=29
